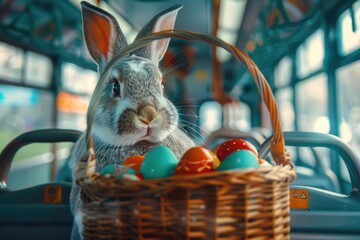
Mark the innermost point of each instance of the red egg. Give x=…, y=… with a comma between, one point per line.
x=195, y=160
x=234, y=145
x=133, y=162
x=139, y=176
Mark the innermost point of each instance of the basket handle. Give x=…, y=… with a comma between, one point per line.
x=86, y=165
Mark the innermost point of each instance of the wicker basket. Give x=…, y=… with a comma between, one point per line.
x=247, y=204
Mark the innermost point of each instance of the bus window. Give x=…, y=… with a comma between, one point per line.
x=349, y=104
x=78, y=84
x=283, y=72
x=71, y=110
x=312, y=113
x=210, y=117
x=78, y=80
x=349, y=38
x=284, y=98
x=23, y=109
x=38, y=70
x=242, y=117
x=38, y=163
x=237, y=116
x=311, y=100
x=11, y=63
x=310, y=54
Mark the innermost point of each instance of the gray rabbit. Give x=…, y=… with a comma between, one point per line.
x=133, y=114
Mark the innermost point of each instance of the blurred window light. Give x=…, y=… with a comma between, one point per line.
x=310, y=54
x=11, y=63
x=18, y=97
x=348, y=89
x=284, y=98
x=345, y=132
x=230, y=19
x=349, y=39
x=229, y=37
x=242, y=117
x=76, y=79
x=71, y=103
x=311, y=102
x=237, y=116
x=38, y=70
x=321, y=124
x=210, y=117
x=283, y=72
x=231, y=14
x=23, y=109
x=71, y=111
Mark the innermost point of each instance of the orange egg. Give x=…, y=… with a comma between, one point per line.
x=195, y=160
x=133, y=162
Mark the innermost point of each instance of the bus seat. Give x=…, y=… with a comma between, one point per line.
x=311, y=177
x=328, y=215
x=318, y=176
x=38, y=212
x=317, y=213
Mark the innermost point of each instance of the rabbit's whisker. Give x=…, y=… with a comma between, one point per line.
x=193, y=128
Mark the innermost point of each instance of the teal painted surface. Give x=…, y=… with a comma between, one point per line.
x=242, y=159
x=159, y=162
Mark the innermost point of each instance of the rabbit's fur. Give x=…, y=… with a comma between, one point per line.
x=133, y=114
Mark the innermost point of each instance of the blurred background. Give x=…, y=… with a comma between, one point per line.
x=309, y=51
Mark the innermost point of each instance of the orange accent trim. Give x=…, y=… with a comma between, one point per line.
x=70, y=103
x=299, y=199
x=217, y=89
x=53, y=194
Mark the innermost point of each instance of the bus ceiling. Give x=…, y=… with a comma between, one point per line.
x=266, y=30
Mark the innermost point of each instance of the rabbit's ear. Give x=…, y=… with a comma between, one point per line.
x=163, y=21
x=102, y=34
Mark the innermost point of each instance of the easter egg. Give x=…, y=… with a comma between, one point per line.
x=195, y=160
x=138, y=175
x=134, y=162
x=117, y=170
x=242, y=159
x=233, y=145
x=216, y=162
x=159, y=162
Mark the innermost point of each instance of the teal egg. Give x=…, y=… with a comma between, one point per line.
x=159, y=162
x=242, y=159
x=117, y=170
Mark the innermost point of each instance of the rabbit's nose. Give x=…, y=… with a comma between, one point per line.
x=147, y=114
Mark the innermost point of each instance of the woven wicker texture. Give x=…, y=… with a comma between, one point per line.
x=251, y=204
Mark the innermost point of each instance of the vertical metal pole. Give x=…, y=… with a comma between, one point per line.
x=293, y=81
x=55, y=89
x=330, y=59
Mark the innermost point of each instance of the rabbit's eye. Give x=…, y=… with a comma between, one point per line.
x=116, y=88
